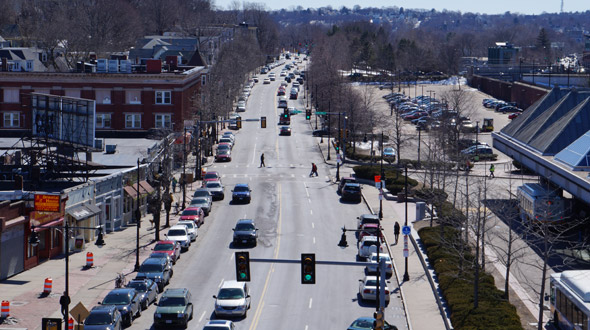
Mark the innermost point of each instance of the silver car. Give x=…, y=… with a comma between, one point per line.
x=202, y=202
x=191, y=227
x=216, y=189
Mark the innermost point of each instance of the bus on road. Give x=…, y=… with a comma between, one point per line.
x=539, y=203
x=570, y=299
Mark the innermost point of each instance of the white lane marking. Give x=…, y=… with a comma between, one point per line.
x=202, y=316
x=311, y=212
x=254, y=154
x=220, y=283
x=235, y=175
x=306, y=327
x=313, y=225
x=306, y=191
x=310, y=301
x=292, y=175
x=314, y=240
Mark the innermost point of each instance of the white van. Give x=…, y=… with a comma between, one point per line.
x=233, y=299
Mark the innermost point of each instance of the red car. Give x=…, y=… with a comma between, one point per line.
x=195, y=214
x=371, y=230
x=223, y=156
x=171, y=248
x=513, y=115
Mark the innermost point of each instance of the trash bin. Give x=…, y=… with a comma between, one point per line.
x=420, y=210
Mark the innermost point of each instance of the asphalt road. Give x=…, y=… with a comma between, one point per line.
x=295, y=214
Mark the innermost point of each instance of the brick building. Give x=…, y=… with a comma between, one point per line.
x=127, y=104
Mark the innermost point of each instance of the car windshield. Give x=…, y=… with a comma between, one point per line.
x=164, y=247
x=198, y=201
x=189, y=225
x=363, y=324
x=116, y=299
x=211, y=176
x=190, y=212
x=150, y=268
x=171, y=301
x=352, y=188
x=369, y=243
x=213, y=185
x=241, y=189
x=230, y=294
x=98, y=319
x=381, y=257
x=176, y=232
x=244, y=226
x=138, y=286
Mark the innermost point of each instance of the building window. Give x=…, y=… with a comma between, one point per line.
x=73, y=93
x=133, y=120
x=163, y=121
x=133, y=97
x=29, y=65
x=11, y=95
x=203, y=80
x=103, y=96
x=163, y=97
x=103, y=120
x=11, y=119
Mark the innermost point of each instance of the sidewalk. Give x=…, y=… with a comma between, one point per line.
x=88, y=286
x=420, y=303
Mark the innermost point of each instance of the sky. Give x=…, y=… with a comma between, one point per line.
x=473, y=6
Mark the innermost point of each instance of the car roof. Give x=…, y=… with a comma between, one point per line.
x=192, y=208
x=241, y=185
x=103, y=308
x=177, y=227
x=232, y=284
x=219, y=322
x=245, y=221
x=165, y=241
x=175, y=292
x=151, y=260
x=352, y=184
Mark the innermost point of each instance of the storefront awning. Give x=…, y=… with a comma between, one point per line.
x=83, y=211
x=144, y=189
x=49, y=224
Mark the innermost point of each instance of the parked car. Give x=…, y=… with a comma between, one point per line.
x=174, y=309
x=233, y=299
x=191, y=227
x=227, y=140
x=212, y=175
x=216, y=189
x=203, y=192
x=368, y=245
x=179, y=234
x=219, y=325
x=366, y=323
x=170, y=248
x=157, y=270
x=202, y=202
x=367, y=218
x=104, y=317
x=468, y=126
x=194, y=214
x=223, y=156
x=147, y=290
x=389, y=154
x=127, y=301
x=320, y=132
x=368, y=289
x=241, y=107
x=351, y=192
x=168, y=259
x=513, y=115
x=245, y=232
x=344, y=181
x=370, y=229
x=478, y=149
x=241, y=193
x=372, y=269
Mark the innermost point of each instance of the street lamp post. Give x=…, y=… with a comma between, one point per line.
x=329, y=128
x=381, y=184
x=184, y=156
x=137, y=220
x=34, y=240
x=406, y=274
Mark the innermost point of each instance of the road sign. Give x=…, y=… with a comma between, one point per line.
x=378, y=185
x=406, y=230
x=296, y=111
x=380, y=195
x=406, y=249
x=320, y=112
x=338, y=159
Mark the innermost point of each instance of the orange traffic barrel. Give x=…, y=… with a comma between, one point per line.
x=47, y=286
x=5, y=311
x=89, y=259
x=71, y=324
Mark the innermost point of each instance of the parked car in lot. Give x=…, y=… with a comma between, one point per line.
x=219, y=325
x=147, y=290
x=194, y=214
x=467, y=126
x=478, y=149
x=245, y=232
x=202, y=202
x=179, y=234
x=513, y=115
x=233, y=299
x=157, y=270
x=368, y=289
x=344, y=181
x=351, y=192
x=127, y=301
x=389, y=154
x=241, y=193
x=174, y=309
x=168, y=247
x=191, y=228
x=104, y=317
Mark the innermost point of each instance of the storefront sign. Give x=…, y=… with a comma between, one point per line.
x=47, y=203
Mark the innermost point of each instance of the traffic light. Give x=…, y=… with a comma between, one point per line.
x=262, y=122
x=243, y=266
x=308, y=114
x=239, y=123
x=379, y=323
x=308, y=268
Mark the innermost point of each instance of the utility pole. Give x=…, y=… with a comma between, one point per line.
x=184, y=156
x=137, y=219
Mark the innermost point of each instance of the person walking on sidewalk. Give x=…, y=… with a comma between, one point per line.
x=314, y=170
x=174, y=182
x=64, y=301
x=262, y=160
x=492, y=169
x=396, y=229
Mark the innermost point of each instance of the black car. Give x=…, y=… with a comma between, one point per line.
x=285, y=130
x=320, y=132
x=245, y=232
x=104, y=317
x=241, y=193
x=157, y=270
x=127, y=301
x=351, y=192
